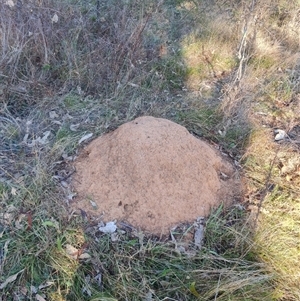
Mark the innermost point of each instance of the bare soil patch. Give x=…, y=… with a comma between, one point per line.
x=153, y=174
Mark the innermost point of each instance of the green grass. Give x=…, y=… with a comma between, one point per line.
x=101, y=66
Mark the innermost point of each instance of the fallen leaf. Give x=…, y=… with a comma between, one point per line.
x=10, y=3
x=53, y=115
x=33, y=289
x=68, y=116
x=106, y=299
x=3, y=252
x=79, y=90
x=11, y=208
x=84, y=256
x=25, y=138
x=7, y=218
x=110, y=227
x=280, y=135
x=133, y=85
x=289, y=178
x=74, y=127
x=114, y=237
x=85, y=137
x=72, y=251
x=23, y=290
x=67, y=158
x=86, y=288
x=29, y=221
x=44, y=139
x=46, y=284
x=19, y=220
x=199, y=232
x=223, y=176
x=64, y=184
x=94, y=205
x=54, y=19
x=98, y=279
x=10, y=279
x=148, y=296
x=198, y=237
x=193, y=290
x=13, y=191
x=40, y=140
x=39, y=297
x=71, y=196
x=52, y=223
x=180, y=249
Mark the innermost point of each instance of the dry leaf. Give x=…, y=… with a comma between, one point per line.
x=67, y=158
x=44, y=139
x=40, y=140
x=67, y=116
x=94, y=205
x=19, y=220
x=53, y=115
x=85, y=137
x=133, y=85
x=280, y=135
x=10, y=3
x=193, y=290
x=72, y=251
x=86, y=288
x=25, y=138
x=29, y=221
x=149, y=296
x=3, y=252
x=199, y=236
x=23, y=290
x=79, y=90
x=10, y=279
x=114, y=237
x=13, y=191
x=84, y=256
x=74, y=127
x=71, y=196
x=7, y=218
x=51, y=223
x=110, y=227
x=46, y=284
x=33, y=289
x=98, y=279
x=64, y=184
x=54, y=19
x=39, y=297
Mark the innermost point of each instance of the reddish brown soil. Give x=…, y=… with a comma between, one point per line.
x=152, y=174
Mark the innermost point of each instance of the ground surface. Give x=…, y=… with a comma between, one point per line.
x=228, y=71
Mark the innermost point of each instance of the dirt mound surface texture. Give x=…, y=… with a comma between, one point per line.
x=152, y=174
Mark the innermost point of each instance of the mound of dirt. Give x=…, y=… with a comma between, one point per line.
x=152, y=174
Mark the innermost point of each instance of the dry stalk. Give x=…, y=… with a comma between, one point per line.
x=232, y=92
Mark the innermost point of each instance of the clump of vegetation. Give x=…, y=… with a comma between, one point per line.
x=227, y=70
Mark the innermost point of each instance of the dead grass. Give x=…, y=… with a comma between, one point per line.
x=272, y=97
x=229, y=72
